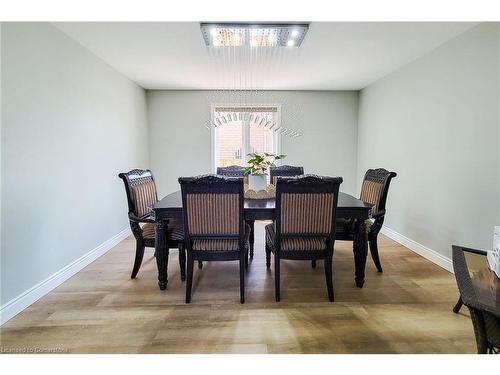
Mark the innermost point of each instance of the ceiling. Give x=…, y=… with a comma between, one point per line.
x=333, y=56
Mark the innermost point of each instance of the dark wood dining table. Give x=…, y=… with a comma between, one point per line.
x=349, y=207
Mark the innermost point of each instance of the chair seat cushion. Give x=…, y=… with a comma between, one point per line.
x=294, y=244
x=175, y=230
x=221, y=244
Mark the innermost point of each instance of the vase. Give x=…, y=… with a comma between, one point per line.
x=257, y=182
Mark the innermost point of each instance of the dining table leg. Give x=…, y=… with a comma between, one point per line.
x=360, y=248
x=161, y=251
x=251, y=223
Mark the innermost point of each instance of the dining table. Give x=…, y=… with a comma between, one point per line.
x=348, y=207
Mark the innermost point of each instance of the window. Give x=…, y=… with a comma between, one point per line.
x=243, y=130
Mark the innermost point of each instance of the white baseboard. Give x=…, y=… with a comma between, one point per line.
x=420, y=249
x=25, y=299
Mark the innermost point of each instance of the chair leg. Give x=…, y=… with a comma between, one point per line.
x=243, y=260
x=458, y=306
x=182, y=261
x=189, y=281
x=139, y=254
x=329, y=277
x=268, y=258
x=200, y=264
x=246, y=259
x=252, y=236
x=277, y=276
x=313, y=263
x=374, y=253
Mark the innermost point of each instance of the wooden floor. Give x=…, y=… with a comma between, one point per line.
x=407, y=309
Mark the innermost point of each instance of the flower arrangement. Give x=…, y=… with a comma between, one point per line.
x=260, y=163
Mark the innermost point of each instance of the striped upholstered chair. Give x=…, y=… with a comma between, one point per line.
x=237, y=171
x=374, y=191
x=231, y=171
x=214, y=225
x=284, y=171
x=304, y=229
x=141, y=195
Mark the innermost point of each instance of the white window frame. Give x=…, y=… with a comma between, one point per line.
x=246, y=131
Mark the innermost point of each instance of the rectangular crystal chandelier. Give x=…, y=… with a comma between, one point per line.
x=253, y=34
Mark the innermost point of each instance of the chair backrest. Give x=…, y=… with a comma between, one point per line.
x=213, y=207
x=141, y=191
x=284, y=171
x=306, y=207
x=231, y=171
x=375, y=188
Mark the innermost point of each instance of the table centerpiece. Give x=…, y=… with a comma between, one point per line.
x=257, y=168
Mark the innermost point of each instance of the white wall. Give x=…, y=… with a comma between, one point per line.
x=180, y=145
x=436, y=123
x=70, y=124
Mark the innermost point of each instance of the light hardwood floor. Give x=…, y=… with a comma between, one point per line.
x=407, y=309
